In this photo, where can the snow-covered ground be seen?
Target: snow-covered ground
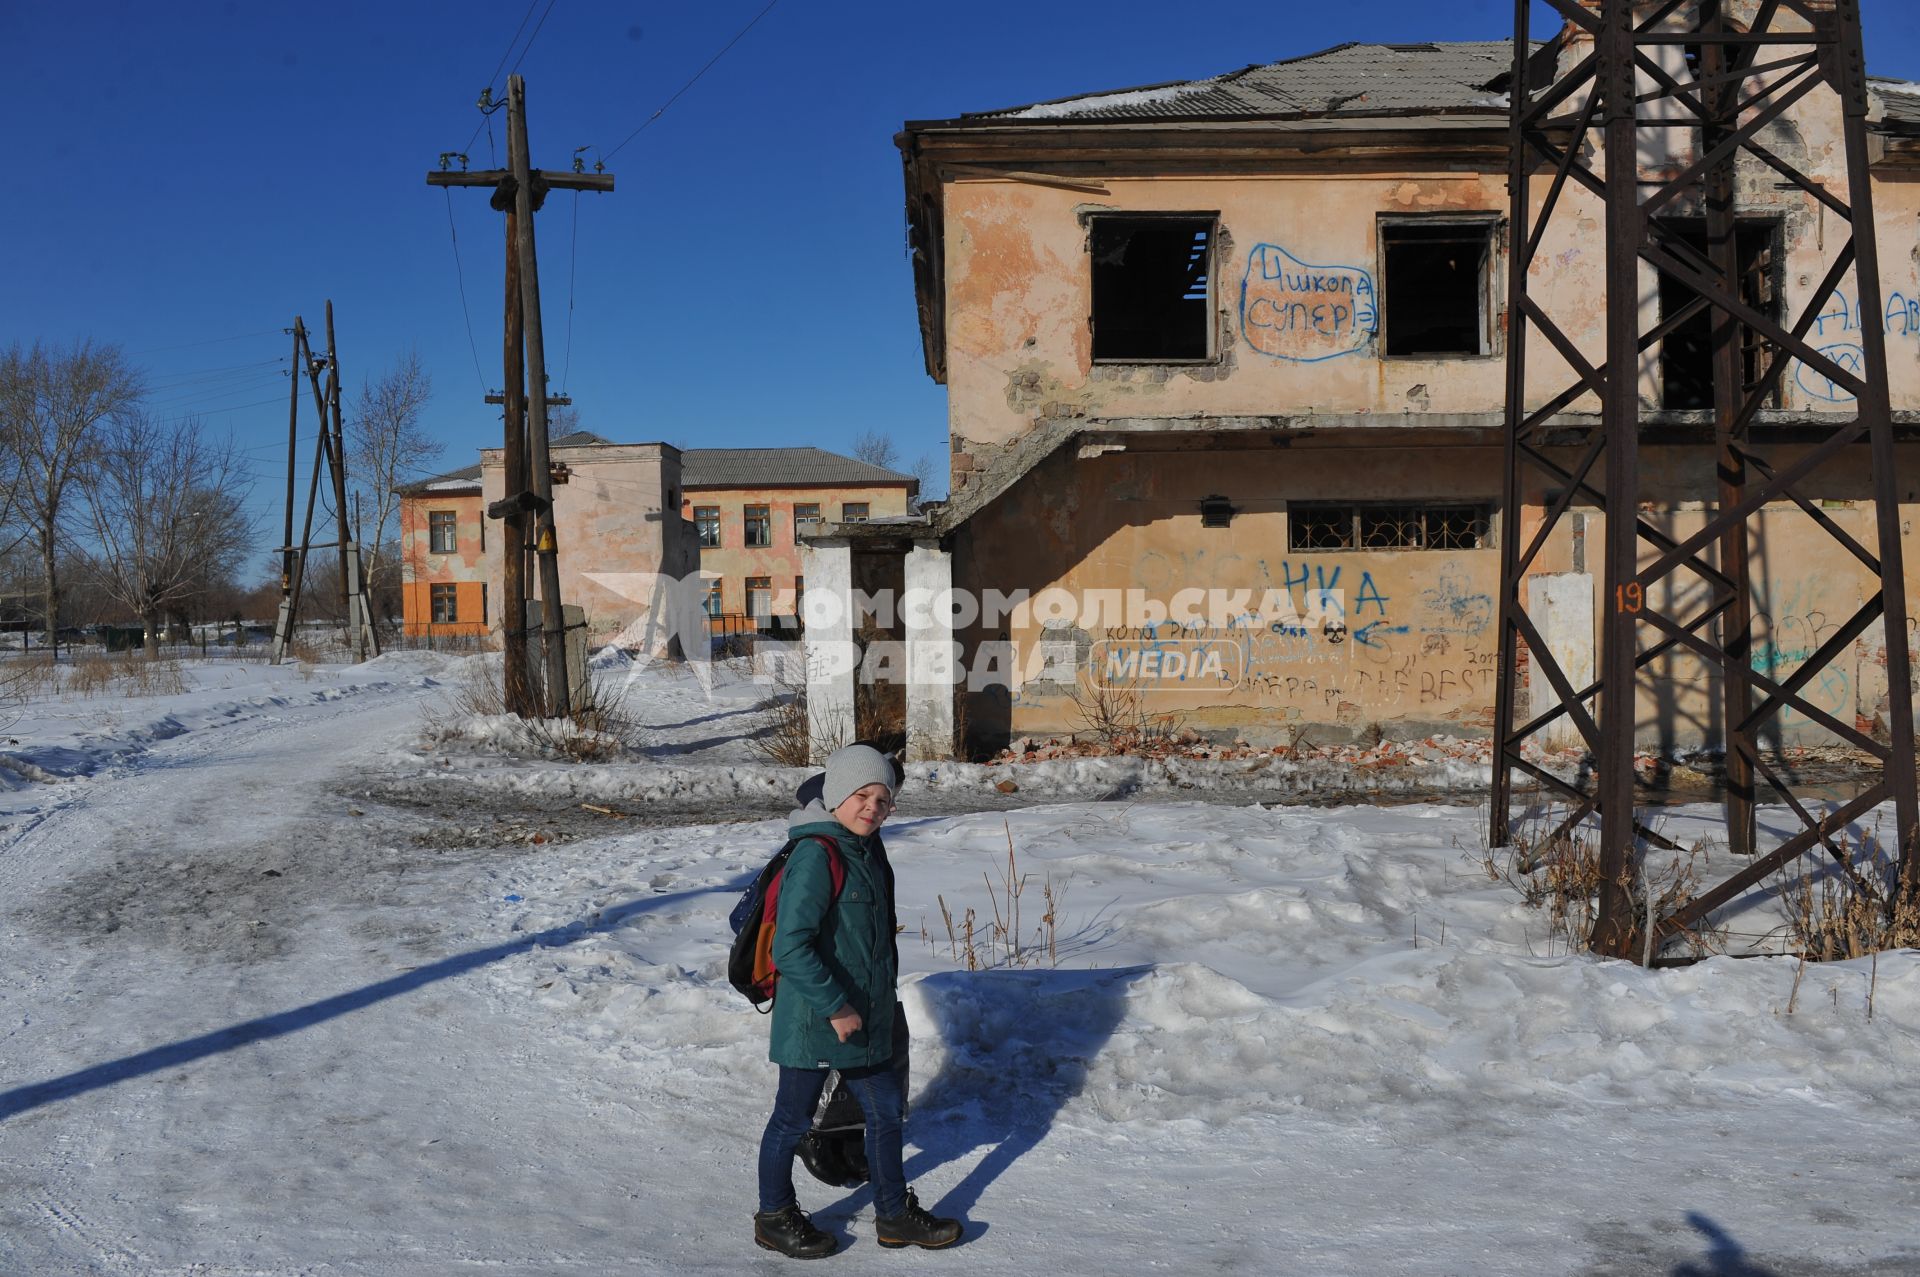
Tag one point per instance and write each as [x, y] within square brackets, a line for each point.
[304, 973]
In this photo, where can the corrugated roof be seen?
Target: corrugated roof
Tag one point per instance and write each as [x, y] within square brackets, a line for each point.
[469, 476]
[772, 467]
[1902, 100]
[451, 481]
[1351, 78]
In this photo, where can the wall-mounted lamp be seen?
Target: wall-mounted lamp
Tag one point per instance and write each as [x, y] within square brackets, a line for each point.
[1215, 512]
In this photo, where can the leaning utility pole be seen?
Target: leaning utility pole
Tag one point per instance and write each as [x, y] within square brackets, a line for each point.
[1636, 93]
[527, 508]
[329, 451]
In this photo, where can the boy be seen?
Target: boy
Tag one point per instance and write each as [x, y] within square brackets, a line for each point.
[835, 1008]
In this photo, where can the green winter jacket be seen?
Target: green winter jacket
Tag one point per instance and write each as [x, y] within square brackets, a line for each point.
[833, 952]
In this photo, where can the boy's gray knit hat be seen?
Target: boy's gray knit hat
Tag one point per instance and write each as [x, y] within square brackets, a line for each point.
[854, 768]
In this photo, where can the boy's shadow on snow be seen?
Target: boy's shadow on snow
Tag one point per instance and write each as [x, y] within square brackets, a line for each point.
[1726, 1257]
[1017, 1047]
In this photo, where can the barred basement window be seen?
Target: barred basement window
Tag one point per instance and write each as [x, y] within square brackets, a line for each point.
[1380, 526]
[1319, 527]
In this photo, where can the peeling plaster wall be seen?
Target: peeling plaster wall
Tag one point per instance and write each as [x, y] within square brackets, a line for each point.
[617, 520]
[1416, 647]
[1019, 297]
[465, 568]
[1413, 651]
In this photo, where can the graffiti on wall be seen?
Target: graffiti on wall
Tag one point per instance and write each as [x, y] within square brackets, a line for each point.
[1899, 318]
[1298, 311]
[1316, 637]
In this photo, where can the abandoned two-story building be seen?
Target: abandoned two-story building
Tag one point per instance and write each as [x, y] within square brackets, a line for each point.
[1226, 378]
[627, 514]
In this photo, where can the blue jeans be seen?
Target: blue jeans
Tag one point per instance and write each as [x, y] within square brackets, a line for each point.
[878, 1090]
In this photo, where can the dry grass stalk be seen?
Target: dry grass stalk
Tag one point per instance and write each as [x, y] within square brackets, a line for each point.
[1115, 714]
[1838, 913]
[781, 733]
[1005, 944]
[1560, 874]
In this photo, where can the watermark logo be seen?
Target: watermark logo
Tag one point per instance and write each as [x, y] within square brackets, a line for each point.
[1167, 665]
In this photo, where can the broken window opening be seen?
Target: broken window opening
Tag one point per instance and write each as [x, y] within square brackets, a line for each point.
[1686, 353]
[1152, 288]
[1435, 287]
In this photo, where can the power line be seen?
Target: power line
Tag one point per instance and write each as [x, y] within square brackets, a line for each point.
[508, 52]
[486, 94]
[690, 83]
[530, 39]
[211, 341]
[191, 373]
[460, 277]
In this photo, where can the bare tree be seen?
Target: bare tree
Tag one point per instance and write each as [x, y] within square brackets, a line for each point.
[386, 447]
[876, 449]
[166, 506]
[52, 404]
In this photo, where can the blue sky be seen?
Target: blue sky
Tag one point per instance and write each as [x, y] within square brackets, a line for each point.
[195, 174]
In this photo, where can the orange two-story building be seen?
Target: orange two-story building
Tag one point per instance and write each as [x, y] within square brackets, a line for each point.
[749, 507]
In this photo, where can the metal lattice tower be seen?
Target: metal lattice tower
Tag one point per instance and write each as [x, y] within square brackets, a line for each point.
[1686, 70]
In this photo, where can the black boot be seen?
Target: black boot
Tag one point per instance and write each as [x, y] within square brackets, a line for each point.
[915, 1227]
[791, 1233]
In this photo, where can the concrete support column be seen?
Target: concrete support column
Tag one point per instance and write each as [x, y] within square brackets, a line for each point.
[1561, 607]
[827, 565]
[931, 664]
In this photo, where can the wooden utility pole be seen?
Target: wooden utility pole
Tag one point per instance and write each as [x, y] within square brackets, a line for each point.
[515, 543]
[329, 450]
[283, 623]
[526, 510]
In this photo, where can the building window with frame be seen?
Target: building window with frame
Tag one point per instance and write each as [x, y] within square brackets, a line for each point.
[1464, 525]
[1436, 286]
[804, 512]
[706, 522]
[799, 597]
[443, 531]
[760, 598]
[716, 599]
[759, 521]
[1152, 287]
[853, 512]
[1686, 353]
[444, 601]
